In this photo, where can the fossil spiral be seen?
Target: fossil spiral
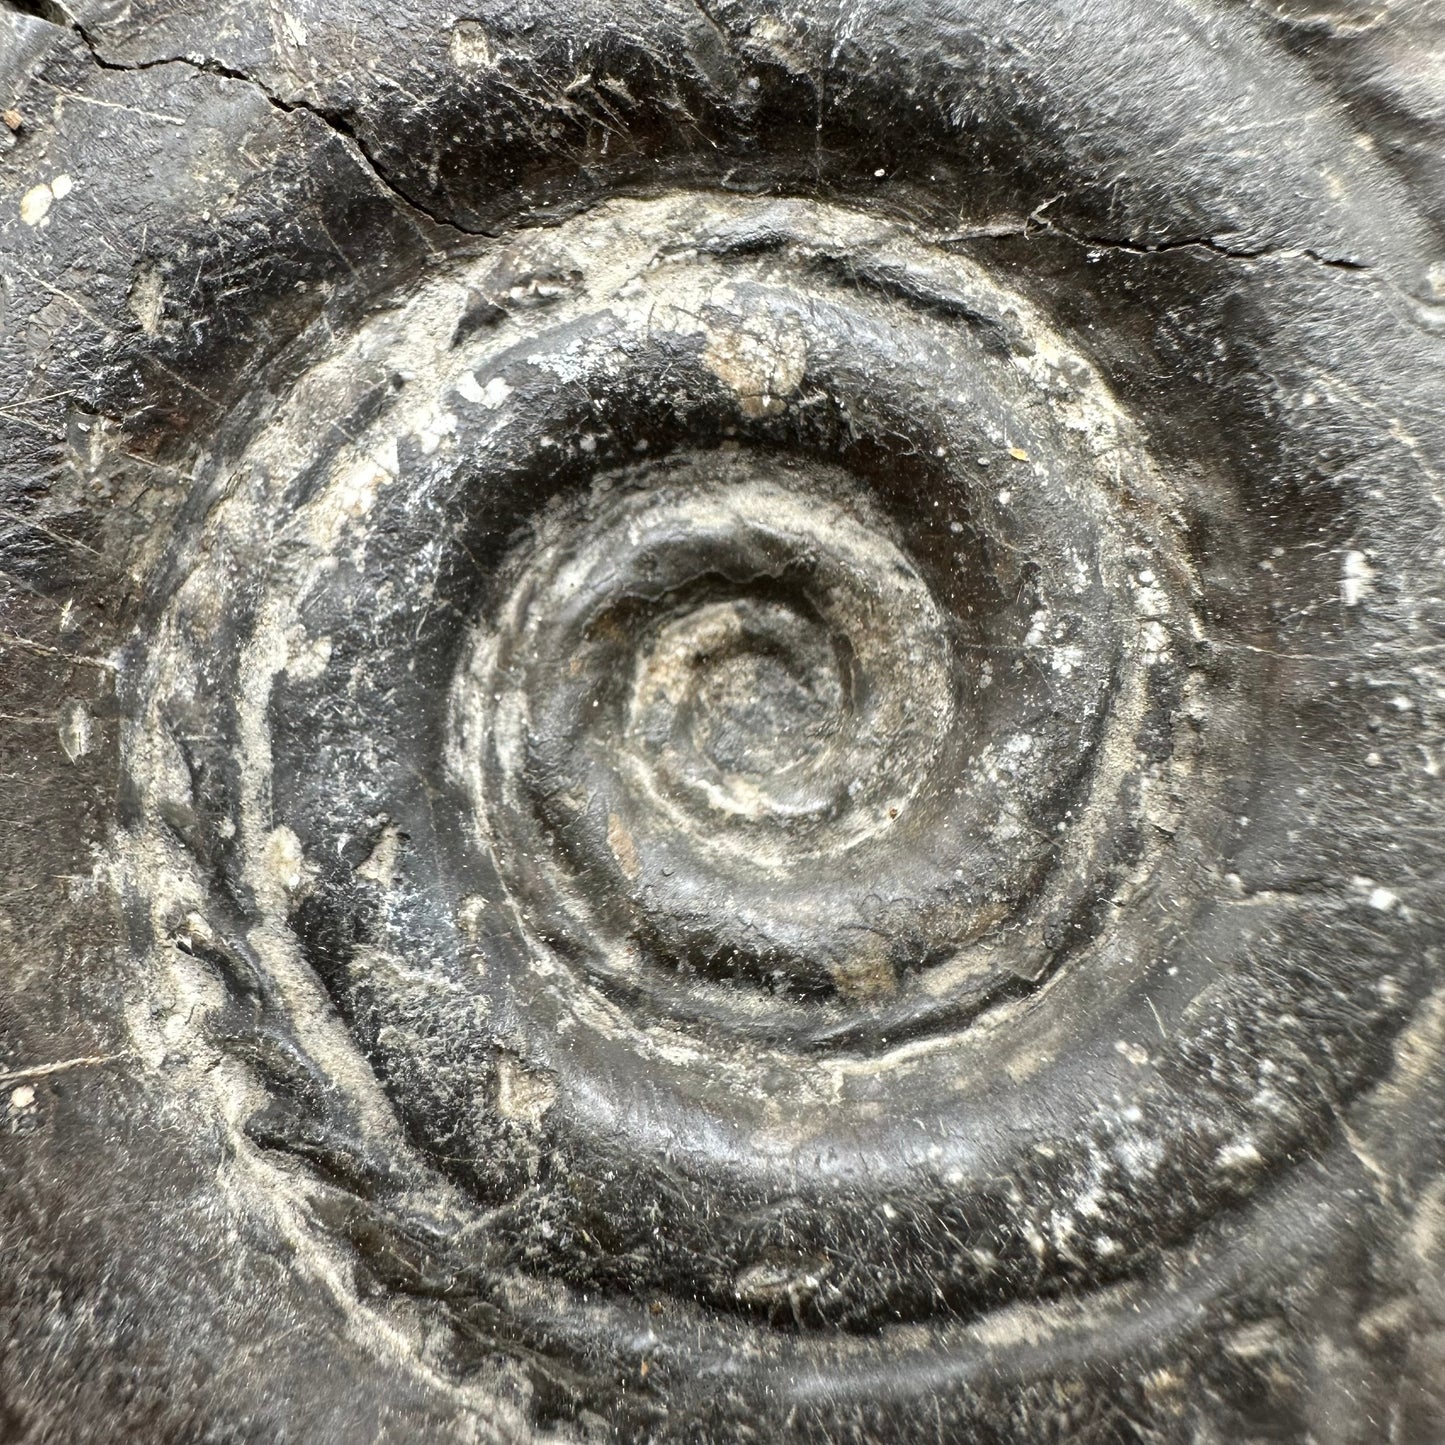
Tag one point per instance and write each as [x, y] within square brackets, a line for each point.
[777, 719]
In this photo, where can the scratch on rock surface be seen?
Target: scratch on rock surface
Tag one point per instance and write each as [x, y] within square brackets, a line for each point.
[63, 1066]
[16, 640]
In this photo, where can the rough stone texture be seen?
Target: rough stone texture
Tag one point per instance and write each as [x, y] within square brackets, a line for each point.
[722, 722]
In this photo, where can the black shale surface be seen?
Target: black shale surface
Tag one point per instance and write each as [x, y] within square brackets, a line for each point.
[722, 722]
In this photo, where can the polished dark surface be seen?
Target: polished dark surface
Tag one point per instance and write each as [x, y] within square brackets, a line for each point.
[722, 723]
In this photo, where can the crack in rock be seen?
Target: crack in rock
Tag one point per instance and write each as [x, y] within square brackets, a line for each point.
[333, 120]
[55, 13]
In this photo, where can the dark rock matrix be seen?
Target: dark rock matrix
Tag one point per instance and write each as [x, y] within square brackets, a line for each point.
[722, 722]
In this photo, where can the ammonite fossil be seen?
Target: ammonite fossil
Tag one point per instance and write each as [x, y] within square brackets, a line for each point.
[723, 722]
